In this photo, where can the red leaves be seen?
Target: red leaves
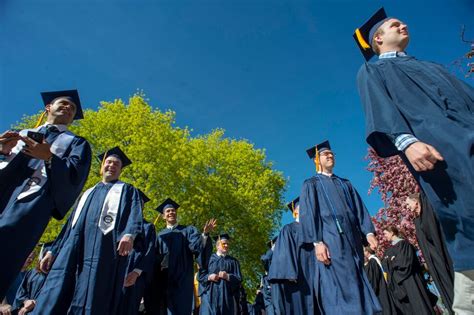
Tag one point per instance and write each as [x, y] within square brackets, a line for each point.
[394, 182]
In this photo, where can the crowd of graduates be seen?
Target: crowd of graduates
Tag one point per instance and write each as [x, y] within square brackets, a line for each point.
[108, 259]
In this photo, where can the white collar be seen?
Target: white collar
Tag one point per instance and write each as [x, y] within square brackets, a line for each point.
[218, 253]
[61, 128]
[327, 174]
[395, 241]
[392, 54]
[172, 227]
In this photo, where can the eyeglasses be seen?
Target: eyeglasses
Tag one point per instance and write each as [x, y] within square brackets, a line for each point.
[327, 154]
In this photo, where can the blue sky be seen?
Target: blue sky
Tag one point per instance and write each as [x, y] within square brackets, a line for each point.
[278, 73]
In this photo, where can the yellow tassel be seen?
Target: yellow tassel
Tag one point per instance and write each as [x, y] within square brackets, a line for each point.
[156, 220]
[40, 120]
[318, 163]
[361, 40]
[293, 209]
[103, 162]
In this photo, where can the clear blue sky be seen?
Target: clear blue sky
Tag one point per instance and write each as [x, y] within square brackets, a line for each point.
[280, 74]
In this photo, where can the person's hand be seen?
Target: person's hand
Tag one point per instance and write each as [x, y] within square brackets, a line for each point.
[213, 277]
[422, 156]
[372, 240]
[8, 141]
[131, 279]
[28, 306]
[125, 245]
[46, 262]
[224, 275]
[322, 253]
[5, 309]
[210, 226]
[40, 151]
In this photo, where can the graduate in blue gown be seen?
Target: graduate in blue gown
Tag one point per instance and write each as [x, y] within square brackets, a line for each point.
[177, 247]
[419, 110]
[221, 281]
[39, 180]
[291, 272]
[91, 253]
[334, 218]
[140, 267]
[30, 287]
[266, 286]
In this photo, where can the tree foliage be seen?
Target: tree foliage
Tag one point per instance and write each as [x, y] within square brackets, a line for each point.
[394, 183]
[209, 175]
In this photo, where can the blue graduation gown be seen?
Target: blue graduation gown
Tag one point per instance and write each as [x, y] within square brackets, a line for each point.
[342, 287]
[88, 273]
[172, 290]
[220, 298]
[266, 286]
[406, 95]
[291, 273]
[143, 258]
[25, 220]
[30, 287]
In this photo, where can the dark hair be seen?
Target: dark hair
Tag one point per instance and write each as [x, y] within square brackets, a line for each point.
[392, 229]
[369, 250]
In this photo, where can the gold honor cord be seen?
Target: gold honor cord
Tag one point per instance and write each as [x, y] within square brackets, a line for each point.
[40, 119]
[361, 39]
[318, 163]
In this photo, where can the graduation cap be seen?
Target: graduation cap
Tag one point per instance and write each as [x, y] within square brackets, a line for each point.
[223, 236]
[144, 197]
[317, 149]
[72, 95]
[293, 204]
[365, 34]
[168, 203]
[115, 152]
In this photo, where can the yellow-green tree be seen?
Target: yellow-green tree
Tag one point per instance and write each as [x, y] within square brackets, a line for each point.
[210, 176]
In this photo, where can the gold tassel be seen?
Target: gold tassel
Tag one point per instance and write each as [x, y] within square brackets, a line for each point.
[103, 162]
[361, 40]
[318, 163]
[293, 209]
[156, 220]
[40, 120]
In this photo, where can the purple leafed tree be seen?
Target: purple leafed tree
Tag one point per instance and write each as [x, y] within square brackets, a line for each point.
[394, 183]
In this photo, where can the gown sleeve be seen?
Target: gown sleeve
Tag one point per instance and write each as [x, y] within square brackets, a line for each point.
[284, 264]
[67, 176]
[382, 117]
[311, 223]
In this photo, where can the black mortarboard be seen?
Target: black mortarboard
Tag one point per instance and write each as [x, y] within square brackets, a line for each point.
[223, 236]
[144, 197]
[118, 153]
[292, 205]
[364, 34]
[168, 203]
[320, 147]
[49, 97]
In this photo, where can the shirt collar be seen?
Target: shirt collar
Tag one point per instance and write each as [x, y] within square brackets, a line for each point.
[392, 54]
[220, 254]
[61, 128]
[327, 174]
[172, 227]
[396, 240]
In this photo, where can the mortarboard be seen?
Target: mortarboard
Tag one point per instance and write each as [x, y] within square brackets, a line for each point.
[223, 236]
[293, 204]
[364, 34]
[116, 152]
[144, 197]
[73, 95]
[168, 203]
[323, 146]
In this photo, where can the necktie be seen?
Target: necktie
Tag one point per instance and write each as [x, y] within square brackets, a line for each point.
[52, 132]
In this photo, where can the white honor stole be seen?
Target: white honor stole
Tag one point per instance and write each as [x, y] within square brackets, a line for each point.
[109, 209]
[39, 177]
[377, 260]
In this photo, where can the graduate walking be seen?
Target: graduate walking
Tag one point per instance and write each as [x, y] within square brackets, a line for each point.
[42, 172]
[334, 218]
[221, 280]
[90, 253]
[419, 110]
[292, 270]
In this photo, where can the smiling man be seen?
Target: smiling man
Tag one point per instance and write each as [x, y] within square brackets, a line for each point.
[417, 109]
[178, 245]
[335, 219]
[39, 179]
[90, 253]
